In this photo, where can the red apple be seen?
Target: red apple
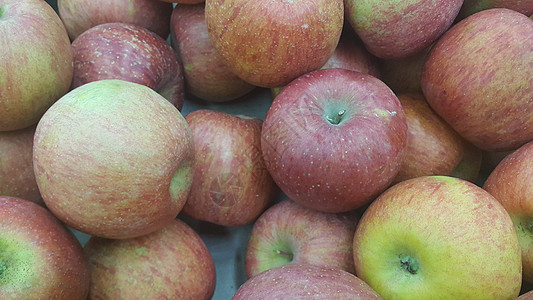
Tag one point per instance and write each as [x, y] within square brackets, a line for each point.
[207, 76]
[334, 139]
[39, 257]
[398, 29]
[17, 178]
[510, 183]
[269, 44]
[35, 62]
[288, 233]
[438, 237]
[478, 78]
[471, 7]
[171, 263]
[80, 15]
[231, 185]
[113, 159]
[300, 281]
[131, 53]
[189, 2]
[433, 147]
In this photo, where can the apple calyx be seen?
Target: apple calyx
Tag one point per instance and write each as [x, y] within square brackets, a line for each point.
[409, 264]
[289, 256]
[336, 118]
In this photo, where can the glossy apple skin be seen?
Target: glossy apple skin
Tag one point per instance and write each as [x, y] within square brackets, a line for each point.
[398, 29]
[433, 147]
[17, 178]
[269, 44]
[128, 52]
[207, 76]
[479, 71]
[39, 257]
[80, 15]
[288, 233]
[471, 7]
[113, 159]
[432, 236]
[301, 281]
[231, 185]
[334, 167]
[35, 62]
[510, 184]
[171, 263]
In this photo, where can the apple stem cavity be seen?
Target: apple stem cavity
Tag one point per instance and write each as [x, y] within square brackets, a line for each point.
[285, 254]
[409, 264]
[337, 118]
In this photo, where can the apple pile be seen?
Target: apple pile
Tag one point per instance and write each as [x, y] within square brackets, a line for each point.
[233, 149]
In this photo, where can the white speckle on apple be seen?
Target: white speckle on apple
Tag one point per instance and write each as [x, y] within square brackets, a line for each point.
[305, 26]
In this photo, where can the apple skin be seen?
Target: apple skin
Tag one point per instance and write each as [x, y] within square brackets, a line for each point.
[510, 184]
[231, 185]
[35, 63]
[39, 257]
[188, 2]
[207, 76]
[270, 44]
[398, 29]
[471, 7]
[432, 236]
[301, 281]
[171, 263]
[128, 52]
[288, 233]
[113, 159]
[333, 139]
[80, 15]
[17, 178]
[433, 147]
[481, 70]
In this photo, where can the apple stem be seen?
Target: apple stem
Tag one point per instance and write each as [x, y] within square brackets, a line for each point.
[409, 264]
[337, 118]
[286, 254]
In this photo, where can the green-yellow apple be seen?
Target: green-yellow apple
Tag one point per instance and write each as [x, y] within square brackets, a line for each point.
[396, 29]
[302, 281]
[207, 76]
[438, 237]
[170, 263]
[510, 183]
[35, 62]
[128, 52]
[39, 257]
[268, 43]
[288, 233]
[231, 185]
[333, 139]
[114, 159]
[478, 78]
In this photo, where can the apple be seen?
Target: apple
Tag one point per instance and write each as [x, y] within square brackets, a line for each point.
[80, 15]
[477, 77]
[170, 263]
[469, 167]
[399, 29]
[128, 52]
[207, 76]
[113, 159]
[39, 257]
[471, 7]
[433, 147]
[510, 184]
[188, 2]
[333, 139]
[404, 75]
[270, 44]
[35, 62]
[301, 281]
[491, 159]
[526, 296]
[231, 185]
[438, 237]
[17, 178]
[288, 233]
